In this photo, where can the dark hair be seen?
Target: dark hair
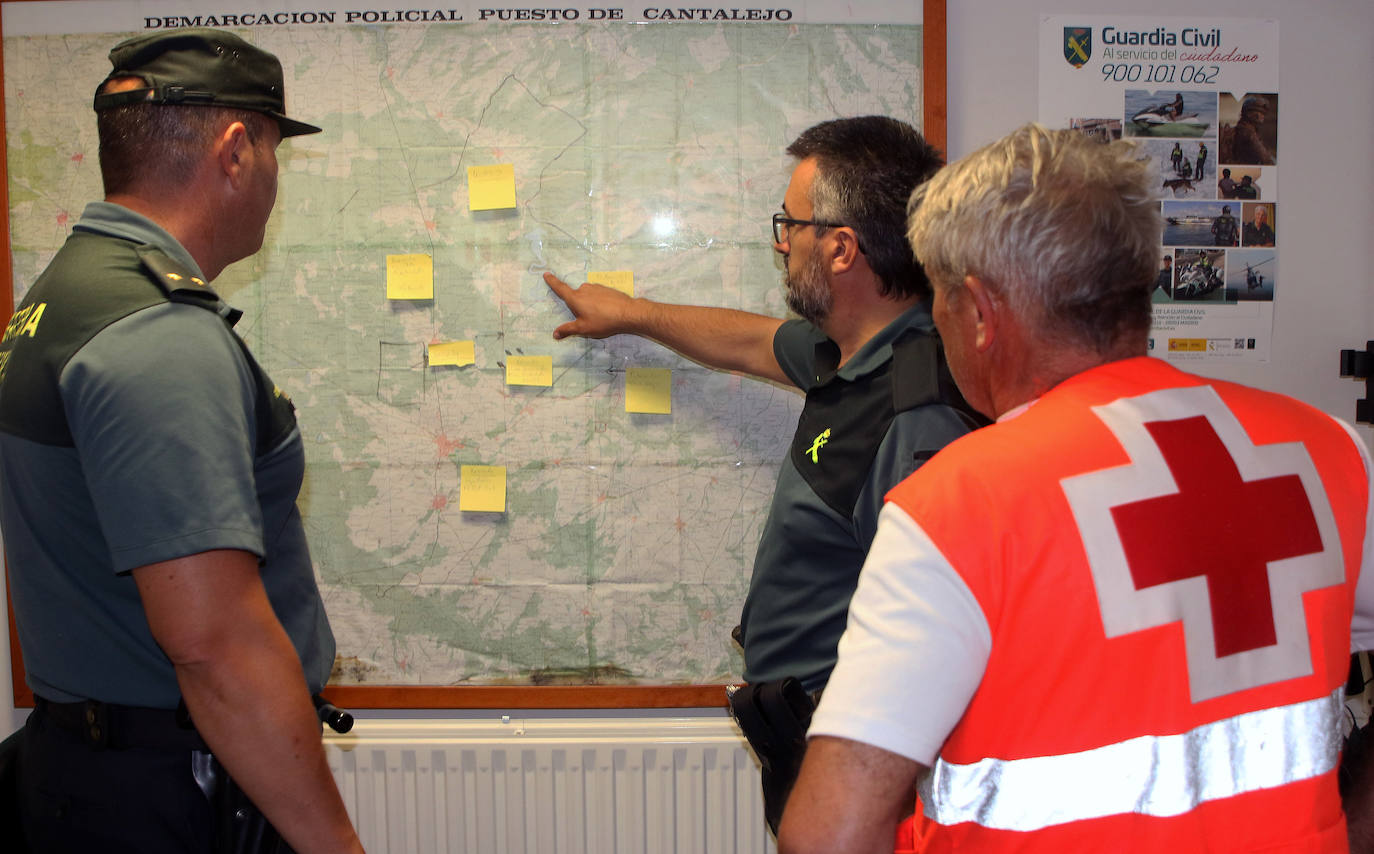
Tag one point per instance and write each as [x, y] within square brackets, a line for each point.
[151, 142]
[867, 168]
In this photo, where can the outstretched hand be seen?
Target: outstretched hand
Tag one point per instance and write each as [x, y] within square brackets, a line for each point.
[598, 311]
[724, 338]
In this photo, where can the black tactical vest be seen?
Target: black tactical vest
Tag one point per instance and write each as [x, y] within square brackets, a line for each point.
[843, 424]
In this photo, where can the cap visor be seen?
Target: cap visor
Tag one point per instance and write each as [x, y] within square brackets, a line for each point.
[291, 127]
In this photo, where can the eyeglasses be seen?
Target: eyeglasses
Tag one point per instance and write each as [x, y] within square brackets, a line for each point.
[781, 221]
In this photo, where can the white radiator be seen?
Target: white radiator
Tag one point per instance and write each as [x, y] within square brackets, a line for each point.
[541, 786]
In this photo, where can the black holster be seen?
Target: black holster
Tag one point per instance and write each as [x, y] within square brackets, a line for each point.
[240, 827]
[773, 717]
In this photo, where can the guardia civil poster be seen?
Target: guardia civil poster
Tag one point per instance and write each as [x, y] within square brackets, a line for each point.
[1200, 98]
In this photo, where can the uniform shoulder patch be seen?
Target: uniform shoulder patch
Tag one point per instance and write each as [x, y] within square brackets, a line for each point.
[173, 278]
[181, 285]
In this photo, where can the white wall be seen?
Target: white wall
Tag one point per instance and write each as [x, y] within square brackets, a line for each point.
[1327, 128]
[1327, 219]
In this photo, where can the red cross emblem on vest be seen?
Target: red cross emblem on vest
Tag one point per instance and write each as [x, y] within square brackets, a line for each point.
[1206, 528]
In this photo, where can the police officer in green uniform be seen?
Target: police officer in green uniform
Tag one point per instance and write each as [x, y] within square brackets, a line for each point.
[878, 402]
[1246, 189]
[1225, 228]
[170, 624]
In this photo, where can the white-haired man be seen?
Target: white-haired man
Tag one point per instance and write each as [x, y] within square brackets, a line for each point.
[1118, 619]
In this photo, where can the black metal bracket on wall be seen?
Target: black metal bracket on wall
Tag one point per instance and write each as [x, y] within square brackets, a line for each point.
[1360, 365]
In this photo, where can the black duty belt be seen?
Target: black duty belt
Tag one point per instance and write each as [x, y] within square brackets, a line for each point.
[117, 727]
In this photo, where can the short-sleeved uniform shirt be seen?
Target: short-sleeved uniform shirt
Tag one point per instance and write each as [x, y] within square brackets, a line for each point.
[149, 450]
[849, 449]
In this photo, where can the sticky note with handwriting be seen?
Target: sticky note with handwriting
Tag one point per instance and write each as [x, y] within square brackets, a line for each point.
[529, 370]
[482, 488]
[621, 280]
[409, 277]
[452, 353]
[649, 390]
[491, 187]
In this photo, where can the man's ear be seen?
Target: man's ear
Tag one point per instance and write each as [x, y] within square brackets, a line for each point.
[986, 312]
[232, 150]
[845, 253]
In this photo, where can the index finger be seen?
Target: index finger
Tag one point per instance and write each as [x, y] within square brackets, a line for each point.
[558, 285]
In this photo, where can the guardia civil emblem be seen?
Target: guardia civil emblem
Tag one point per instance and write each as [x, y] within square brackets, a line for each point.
[1078, 45]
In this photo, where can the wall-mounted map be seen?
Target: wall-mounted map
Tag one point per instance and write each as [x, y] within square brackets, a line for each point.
[624, 548]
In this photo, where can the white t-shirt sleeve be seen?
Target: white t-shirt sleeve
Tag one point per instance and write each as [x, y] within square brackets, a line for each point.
[1362, 623]
[913, 651]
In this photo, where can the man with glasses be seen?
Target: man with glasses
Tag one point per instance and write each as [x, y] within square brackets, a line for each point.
[878, 400]
[1047, 637]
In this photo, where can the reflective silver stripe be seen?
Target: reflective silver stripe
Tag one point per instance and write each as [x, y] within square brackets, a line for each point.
[1152, 775]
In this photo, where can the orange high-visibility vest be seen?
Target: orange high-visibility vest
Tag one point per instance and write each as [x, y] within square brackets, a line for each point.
[1167, 565]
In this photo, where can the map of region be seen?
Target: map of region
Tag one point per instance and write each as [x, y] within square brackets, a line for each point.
[624, 551]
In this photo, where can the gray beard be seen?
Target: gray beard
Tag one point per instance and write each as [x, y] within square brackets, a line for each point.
[807, 293]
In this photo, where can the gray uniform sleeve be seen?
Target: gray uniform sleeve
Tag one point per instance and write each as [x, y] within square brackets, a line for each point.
[794, 346]
[161, 411]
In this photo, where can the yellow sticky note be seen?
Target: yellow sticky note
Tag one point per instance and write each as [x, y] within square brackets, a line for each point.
[529, 370]
[409, 277]
[621, 280]
[452, 353]
[482, 488]
[649, 390]
[491, 187]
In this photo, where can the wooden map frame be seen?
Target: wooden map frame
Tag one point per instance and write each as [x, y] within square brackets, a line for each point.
[934, 126]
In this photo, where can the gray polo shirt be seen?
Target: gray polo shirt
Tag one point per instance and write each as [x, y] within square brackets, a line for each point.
[155, 454]
[850, 448]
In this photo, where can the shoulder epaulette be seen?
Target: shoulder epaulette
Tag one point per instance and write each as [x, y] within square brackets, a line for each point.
[275, 411]
[180, 284]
